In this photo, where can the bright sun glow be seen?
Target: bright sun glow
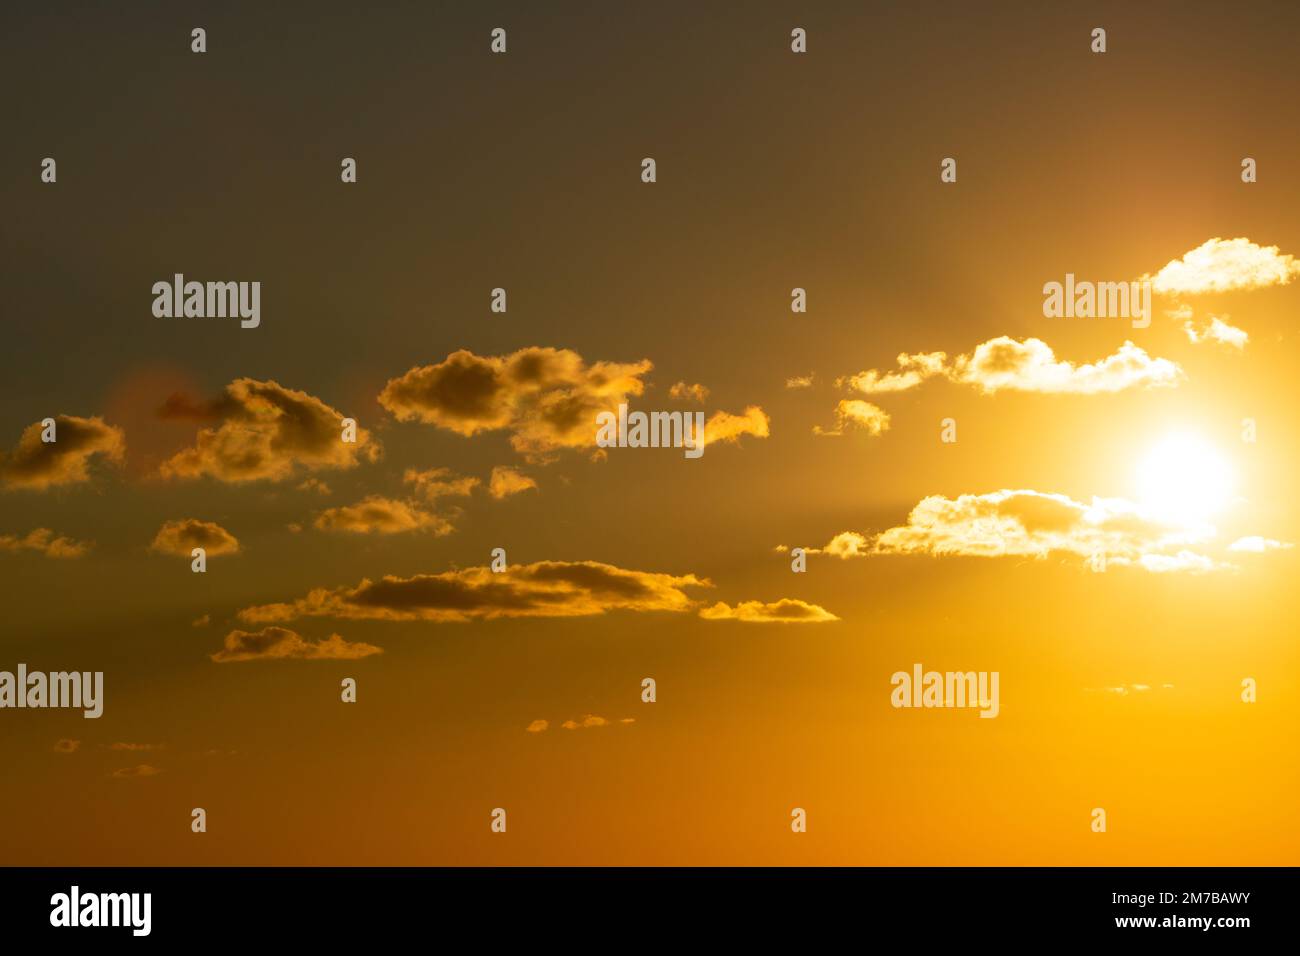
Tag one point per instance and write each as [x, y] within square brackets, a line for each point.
[1185, 480]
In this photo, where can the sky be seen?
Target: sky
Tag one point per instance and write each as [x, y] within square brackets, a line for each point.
[1112, 530]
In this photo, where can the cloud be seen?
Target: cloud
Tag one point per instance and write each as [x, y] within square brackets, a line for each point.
[134, 748]
[784, 611]
[435, 483]
[280, 643]
[853, 413]
[1123, 690]
[1220, 265]
[537, 726]
[66, 745]
[316, 485]
[37, 465]
[912, 371]
[1005, 364]
[800, 381]
[264, 431]
[1020, 523]
[846, 544]
[688, 393]
[44, 541]
[1255, 544]
[548, 399]
[592, 720]
[181, 537]
[1217, 331]
[139, 770]
[508, 481]
[541, 589]
[203, 621]
[376, 514]
[725, 427]
[1181, 561]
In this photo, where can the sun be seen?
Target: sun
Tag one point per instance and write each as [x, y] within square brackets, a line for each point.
[1185, 480]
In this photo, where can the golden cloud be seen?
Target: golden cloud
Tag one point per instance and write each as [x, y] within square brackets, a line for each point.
[1257, 544]
[547, 398]
[264, 431]
[541, 589]
[1031, 366]
[37, 464]
[508, 481]
[1034, 524]
[1007, 364]
[140, 770]
[725, 427]
[1217, 331]
[853, 413]
[592, 720]
[376, 514]
[912, 371]
[1220, 265]
[44, 541]
[181, 537]
[688, 393]
[784, 611]
[280, 643]
[436, 483]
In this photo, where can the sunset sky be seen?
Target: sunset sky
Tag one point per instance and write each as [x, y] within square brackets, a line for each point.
[1075, 437]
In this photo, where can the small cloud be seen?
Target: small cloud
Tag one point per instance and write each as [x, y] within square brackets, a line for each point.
[35, 464]
[800, 381]
[280, 643]
[1255, 544]
[203, 621]
[537, 726]
[725, 427]
[853, 413]
[784, 611]
[912, 371]
[376, 514]
[66, 745]
[44, 541]
[507, 481]
[181, 537]
[1124, 690]
[436, 483]
[591, 720]
[134, 748]
[1217, 331]
[315, 485]
[1220, 265]
[139, 770]
[688, 393]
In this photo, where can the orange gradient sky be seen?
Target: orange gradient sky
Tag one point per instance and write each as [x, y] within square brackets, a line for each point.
[1119, 690]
